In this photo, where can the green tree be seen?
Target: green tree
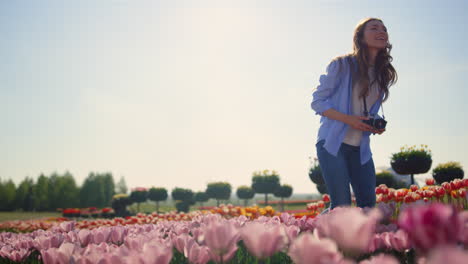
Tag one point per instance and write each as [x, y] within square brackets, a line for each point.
[245, 193]
[97, 190]
[68, 191]
[201, 197]
[265, 182]
[139, 195]
[315, 175]
[42, 194]
[387, 178]
[218, 191]
[109, 188]
[184, 198]
[157, 195]
[24, 195]
[7, 195]
[284, 191]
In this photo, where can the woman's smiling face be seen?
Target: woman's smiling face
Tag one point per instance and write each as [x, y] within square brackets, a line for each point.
[375, 35]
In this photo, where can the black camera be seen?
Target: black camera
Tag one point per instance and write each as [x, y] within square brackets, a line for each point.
[377, 123]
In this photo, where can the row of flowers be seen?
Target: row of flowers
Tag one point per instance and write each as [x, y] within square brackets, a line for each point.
[226, 211]
[453, 192]
[344, 235]
[87, 212]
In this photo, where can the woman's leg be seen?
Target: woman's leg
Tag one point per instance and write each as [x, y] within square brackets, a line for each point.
[362, 180]
[336, 176]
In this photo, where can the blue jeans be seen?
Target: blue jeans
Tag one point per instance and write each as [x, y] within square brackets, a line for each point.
[338, 172]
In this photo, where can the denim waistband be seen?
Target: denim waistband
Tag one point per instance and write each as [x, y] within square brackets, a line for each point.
[355, 148]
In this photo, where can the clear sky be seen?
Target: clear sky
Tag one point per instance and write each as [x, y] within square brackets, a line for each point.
[182, 93]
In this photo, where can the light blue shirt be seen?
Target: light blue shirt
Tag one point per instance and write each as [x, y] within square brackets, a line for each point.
[335, 91]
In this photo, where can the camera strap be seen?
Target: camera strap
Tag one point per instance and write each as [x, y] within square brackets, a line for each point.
[366, 113]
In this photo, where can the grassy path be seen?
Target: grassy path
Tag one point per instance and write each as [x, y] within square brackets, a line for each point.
[8, 216]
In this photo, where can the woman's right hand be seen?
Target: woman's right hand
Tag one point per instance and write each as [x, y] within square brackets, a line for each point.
[356, 123]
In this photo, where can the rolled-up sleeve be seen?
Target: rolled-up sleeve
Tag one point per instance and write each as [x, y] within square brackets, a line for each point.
[328, 83]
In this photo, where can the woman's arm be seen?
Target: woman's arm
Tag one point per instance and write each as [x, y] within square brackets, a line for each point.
[329, 81]
[353, 121]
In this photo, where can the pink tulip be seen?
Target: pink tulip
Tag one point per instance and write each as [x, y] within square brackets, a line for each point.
[156, 253]
[349, 227]
[375, 243]
[59, 255]
[399, 241]
[292, 232]
[307, 249]
[84, 237]
[17, 255]
[381, 259]
[431, 225]
[221, 237]
[180, 241]
[117, 234]
[67, 226]
[101, 235]
[263, 240]
[197, 254]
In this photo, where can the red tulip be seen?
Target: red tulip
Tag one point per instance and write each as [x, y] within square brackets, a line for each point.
[430, 181]
[447, 186]
[457, 183]
[440, 192]
[326, 198]
[462, 192]
[465, 182]
[378, 190]
[414, 188]
[408, 199]
[321, 204]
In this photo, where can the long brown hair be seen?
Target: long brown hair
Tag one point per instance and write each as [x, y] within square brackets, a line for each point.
[385, 74]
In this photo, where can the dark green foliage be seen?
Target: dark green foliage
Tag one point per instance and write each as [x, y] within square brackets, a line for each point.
[138, 196]
[119, 204]
[7, 195]
[182, 206]
[57, 191]
[25, 195]
[265, 183]
[245, 193]
[316, 176]
[284, 191]
[201, 197]
[157, 195]
[182, 194]
[97, 190]
[387, 178]
[42, 193]
[218, 191]
[447, 172]
[184, 198]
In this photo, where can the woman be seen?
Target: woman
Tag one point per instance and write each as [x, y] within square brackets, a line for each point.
[343, 144]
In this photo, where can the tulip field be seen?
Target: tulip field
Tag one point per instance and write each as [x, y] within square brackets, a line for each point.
[417, 225]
